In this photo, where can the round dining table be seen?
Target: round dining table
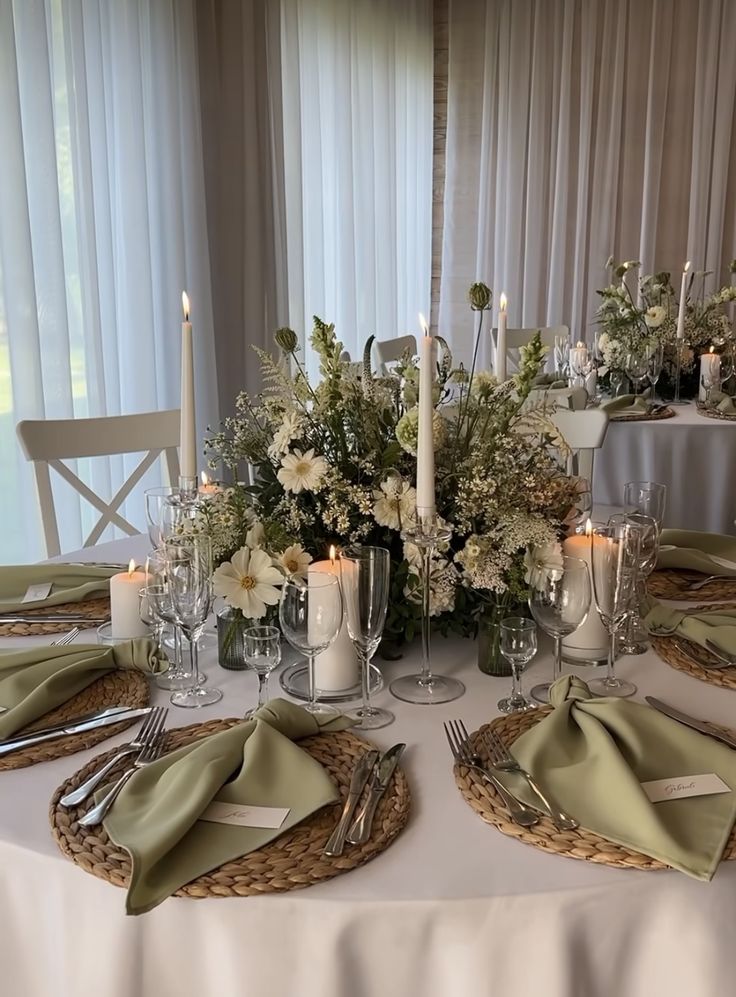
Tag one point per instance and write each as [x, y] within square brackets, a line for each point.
[452, 907]
[695, 456]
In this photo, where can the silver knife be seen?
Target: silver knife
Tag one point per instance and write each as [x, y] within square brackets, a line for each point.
[54, 618]
[361, 827]
[111, 711]
[684, 718]
[361, 774]
[71, 727]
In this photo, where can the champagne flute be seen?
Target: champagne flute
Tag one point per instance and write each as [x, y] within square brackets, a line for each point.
[654, 367]
[365, 580]
[635, 638]
[559, 602]
[518, 645]
[614, 554]
[647, 497]
[311, 616]
[262, 654]
[637, 367]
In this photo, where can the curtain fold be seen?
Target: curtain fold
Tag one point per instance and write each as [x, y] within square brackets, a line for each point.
[579, 129]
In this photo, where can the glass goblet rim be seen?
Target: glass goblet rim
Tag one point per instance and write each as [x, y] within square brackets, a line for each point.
[261, 632]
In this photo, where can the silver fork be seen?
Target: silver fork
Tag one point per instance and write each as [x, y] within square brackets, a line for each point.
[501, 758]
[80, 794]
[464, 755]
[148, 753]
[702, 582]
[66, 639]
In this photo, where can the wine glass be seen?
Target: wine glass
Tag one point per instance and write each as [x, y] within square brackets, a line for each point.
[617, 380]
[727, 359]
[559, 602]
[155, 498]
[262, 654]
[710, 378]
[655, 362]
[635, 637]
[562, 356]
[582, 507]
[189, 575]
[365, 579]
[647, 497]
[311, 616]
[614, 555]
[518, 645]
[637, 366]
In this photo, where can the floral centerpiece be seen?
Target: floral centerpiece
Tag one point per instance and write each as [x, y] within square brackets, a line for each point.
[632, 320]
[334, 462]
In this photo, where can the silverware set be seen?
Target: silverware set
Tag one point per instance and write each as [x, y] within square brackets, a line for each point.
[684, 718]
[66, 639]
[718, 659]
[90, 721]
[373, 773]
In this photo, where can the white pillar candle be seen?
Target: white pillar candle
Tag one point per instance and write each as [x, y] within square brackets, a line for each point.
[590, 641]
[125, 615]
[336, 668]
[501, 342]
[710, 369]
[425, 434]
[578, 362]
[187, 431]
[683, 296]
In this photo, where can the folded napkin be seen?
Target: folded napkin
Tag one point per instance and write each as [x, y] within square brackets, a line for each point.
[626, 405]
[36, 679]
[549, 381]
[70, 583]
[708, 553]
[157, 816]
[593, 755]
[722, 402]
[718, 626]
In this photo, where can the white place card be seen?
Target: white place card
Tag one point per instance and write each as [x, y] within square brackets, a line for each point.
[245, 816]
[37, 592]
[687, 785]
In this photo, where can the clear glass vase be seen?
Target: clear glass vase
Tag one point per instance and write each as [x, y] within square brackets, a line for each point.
[231, 627]
[490, 659]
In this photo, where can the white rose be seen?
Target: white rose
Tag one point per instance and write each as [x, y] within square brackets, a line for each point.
[655, 316]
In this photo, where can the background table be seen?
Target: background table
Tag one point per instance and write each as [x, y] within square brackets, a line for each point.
[694, 456]
[451, 908]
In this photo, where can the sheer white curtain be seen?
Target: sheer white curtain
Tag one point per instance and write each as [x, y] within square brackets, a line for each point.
[102, 223]
[579, 129]
[357, 110]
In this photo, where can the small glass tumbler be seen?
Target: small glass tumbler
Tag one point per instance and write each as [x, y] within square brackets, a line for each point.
[518, 646]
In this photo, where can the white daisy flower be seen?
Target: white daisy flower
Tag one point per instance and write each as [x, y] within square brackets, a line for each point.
[542, 562]
[290, 429]
[395, 503]
[249, 582]
[295, 560]
[302, 471]
[655, 316]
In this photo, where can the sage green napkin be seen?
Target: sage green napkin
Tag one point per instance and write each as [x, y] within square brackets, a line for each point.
[70, 583]
[626, 405]
[157, 816]
[691, 550]
[549, 381]
[722, 402]
[593, 755]
[34, 680]
[718, 626]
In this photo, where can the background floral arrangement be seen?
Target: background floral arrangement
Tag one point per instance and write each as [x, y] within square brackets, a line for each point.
[630, 320]
[334, 463]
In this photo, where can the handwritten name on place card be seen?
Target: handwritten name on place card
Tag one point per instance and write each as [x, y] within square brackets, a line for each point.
[682, 786]
[245, 816]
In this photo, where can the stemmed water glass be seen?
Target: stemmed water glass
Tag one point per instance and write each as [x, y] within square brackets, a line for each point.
[189, 578]
[634, 639]
[559, 602]
[637, 366]
[614, 556]
[311, 615]
[155, 499]
[655, 363]
[365, 579]
[158, 595]
[518, 645]
[262, 653]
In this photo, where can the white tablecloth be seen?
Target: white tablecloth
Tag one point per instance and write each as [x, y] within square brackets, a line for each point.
[452, 908]
[694, 456]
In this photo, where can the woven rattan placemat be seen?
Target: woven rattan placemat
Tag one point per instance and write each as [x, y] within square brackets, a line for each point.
[89, 609]
[713, 413]
[668, 652]
[578, 844]
[292, 861]
[672, 584]
[122, 687]
[665, 413]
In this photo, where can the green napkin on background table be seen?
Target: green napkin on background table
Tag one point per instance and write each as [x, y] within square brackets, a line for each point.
[156, 816]
[626, 405]
[34, 680]
[549, 381]
[593, 755]
[718, 626]
[692, 550]
[722, 402]
[71, 583]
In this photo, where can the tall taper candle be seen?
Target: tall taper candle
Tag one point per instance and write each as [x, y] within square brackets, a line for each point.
[425, 435]
[683, 295]
[187, 431]
[501, 344]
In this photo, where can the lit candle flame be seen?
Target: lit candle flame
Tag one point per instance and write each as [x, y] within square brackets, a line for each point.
[503, 302]
[185, 305]
[588, 528]
[333, 554]
[423, 324]
[686, 267]
[712, 349]
[131, 567]
[205, 479]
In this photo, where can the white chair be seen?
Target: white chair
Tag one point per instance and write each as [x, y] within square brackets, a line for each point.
[516, 338]
[47, 442]
[572, 398]
[387, 351]
[584, 432]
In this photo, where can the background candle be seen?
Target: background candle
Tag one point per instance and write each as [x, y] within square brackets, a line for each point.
[710, 369]
[187, 430]
[425, 432]
[336, 668]
[125, 615]
[501, 343]
[589, 643]
[683, 296]
[208, 487]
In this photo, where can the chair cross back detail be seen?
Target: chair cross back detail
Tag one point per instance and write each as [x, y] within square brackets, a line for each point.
[584, 432]
[48, 442]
